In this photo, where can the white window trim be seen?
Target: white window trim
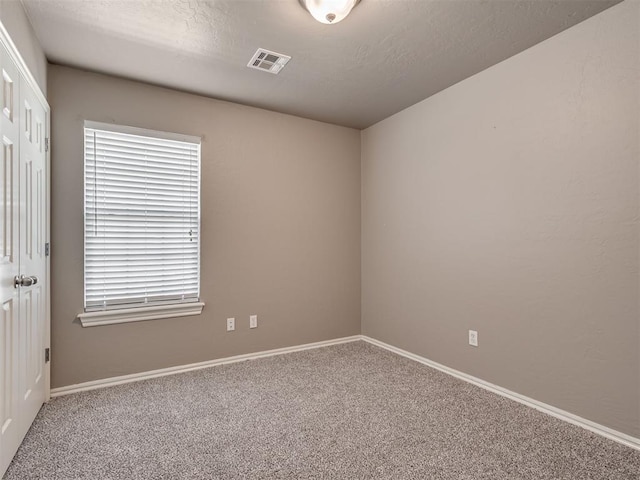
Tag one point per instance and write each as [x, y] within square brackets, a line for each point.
[145, 132]
[138, 314]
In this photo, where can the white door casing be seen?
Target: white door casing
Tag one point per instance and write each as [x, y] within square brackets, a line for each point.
[24, 214]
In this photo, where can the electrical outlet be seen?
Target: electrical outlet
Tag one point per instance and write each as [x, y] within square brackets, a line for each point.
[231, 324]
[253, 321]
[473, 338]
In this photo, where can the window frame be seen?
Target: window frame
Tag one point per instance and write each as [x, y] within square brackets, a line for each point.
[135, 313]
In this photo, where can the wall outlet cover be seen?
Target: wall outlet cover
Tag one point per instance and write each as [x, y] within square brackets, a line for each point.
[473, 338]
[231, 324]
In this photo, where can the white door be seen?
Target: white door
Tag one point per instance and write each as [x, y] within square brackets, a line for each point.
[22, 258]
[10, 429]
[32, 256]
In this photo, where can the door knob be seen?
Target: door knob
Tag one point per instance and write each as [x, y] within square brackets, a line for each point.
[24, 280]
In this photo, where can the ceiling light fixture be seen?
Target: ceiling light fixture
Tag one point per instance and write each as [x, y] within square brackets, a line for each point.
[329, 11]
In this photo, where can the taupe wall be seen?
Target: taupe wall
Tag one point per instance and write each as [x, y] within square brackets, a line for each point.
[14, 19]
[280, 229]
[508, 204]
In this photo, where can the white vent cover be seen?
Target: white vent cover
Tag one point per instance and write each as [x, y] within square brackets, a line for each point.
[268, 61]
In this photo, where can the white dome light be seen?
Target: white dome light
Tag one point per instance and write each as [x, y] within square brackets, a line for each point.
[329, 11]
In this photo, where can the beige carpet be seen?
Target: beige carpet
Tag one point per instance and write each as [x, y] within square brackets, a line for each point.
[350, 411]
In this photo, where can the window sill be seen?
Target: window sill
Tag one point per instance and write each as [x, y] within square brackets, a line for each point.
[126, 315]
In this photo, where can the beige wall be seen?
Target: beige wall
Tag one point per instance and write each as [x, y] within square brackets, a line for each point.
[280, 229]
[15, 21]
[508, 204]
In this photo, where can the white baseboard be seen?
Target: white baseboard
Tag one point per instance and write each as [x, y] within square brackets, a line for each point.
[136, 377]
[606, 432]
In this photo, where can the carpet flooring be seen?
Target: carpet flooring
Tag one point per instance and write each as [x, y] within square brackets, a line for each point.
[350, 411]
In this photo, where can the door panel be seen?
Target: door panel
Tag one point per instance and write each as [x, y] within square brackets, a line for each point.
[10, 423]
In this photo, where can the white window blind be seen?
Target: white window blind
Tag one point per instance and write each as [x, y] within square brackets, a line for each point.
[142, 218]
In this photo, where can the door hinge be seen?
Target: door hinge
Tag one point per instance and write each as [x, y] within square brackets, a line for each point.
[46, 144]
[46, 249]
[47, 355]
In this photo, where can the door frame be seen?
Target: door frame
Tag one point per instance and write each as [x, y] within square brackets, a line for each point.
[23, 69]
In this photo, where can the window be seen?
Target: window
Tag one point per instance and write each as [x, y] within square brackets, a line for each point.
[141, 225]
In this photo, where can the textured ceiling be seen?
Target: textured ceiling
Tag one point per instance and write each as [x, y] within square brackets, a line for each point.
[387, 55]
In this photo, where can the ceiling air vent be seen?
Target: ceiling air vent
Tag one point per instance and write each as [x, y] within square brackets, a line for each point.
[268, 61]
